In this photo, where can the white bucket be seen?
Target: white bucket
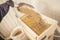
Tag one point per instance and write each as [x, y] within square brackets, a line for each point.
[18, 34]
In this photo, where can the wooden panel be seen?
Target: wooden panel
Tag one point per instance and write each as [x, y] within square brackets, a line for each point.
[34, 20]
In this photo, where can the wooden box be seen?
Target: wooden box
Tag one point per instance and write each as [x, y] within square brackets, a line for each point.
[31, 27]
[46, 34]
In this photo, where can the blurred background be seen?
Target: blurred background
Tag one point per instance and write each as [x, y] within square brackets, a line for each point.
[50, 8]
